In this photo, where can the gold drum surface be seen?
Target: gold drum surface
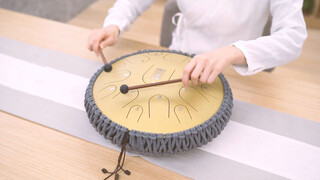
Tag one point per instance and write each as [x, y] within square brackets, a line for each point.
[159, 109]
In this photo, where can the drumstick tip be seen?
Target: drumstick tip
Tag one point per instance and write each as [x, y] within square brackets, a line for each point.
[124, 89]
[107, 67]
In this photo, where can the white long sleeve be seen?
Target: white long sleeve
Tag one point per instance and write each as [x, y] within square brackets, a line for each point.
[207, 25]
[124, 12]
[284, 44]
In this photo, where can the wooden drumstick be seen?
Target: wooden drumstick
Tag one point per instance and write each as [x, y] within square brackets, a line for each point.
[124, 89]
[107, 66]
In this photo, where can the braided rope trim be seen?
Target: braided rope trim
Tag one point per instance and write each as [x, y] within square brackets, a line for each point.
[157, 143]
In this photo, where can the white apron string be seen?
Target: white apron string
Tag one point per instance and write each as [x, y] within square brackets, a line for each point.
[178, 23]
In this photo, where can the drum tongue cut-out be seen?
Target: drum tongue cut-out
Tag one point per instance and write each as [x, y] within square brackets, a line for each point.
[157, 120]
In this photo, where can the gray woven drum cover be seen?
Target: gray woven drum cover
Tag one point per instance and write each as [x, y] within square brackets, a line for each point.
[159, 143]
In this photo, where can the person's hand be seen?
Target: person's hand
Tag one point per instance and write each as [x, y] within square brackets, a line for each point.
[207, 66]
[100, 38]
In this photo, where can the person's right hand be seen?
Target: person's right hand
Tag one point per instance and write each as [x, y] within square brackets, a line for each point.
[100, 38]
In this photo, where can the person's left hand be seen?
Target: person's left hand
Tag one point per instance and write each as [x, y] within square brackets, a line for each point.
[207, 66]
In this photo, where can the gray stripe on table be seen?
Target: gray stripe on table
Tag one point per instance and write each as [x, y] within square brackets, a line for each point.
[196, 164]
[283, 124]
[249, 114]
[45, 57]
[199, 164]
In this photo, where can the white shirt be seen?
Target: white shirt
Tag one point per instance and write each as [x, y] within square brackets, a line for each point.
[205, 25]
